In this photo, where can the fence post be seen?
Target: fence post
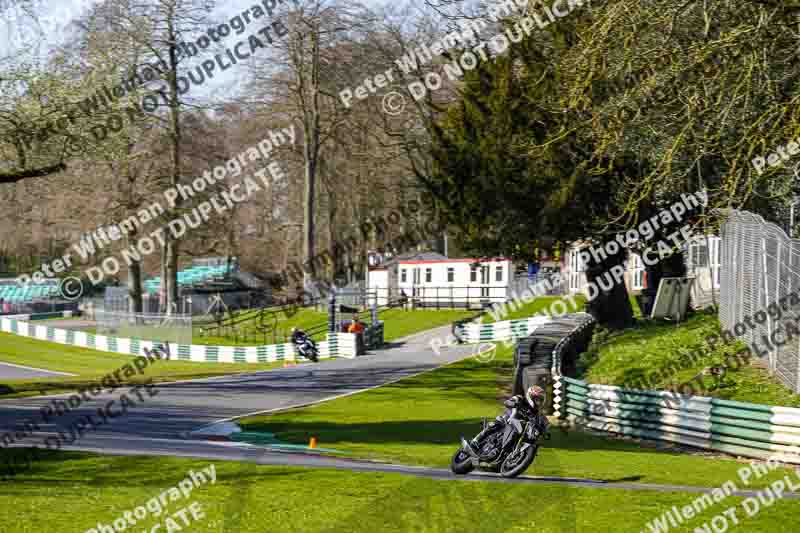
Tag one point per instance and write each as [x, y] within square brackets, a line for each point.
[766, 299]
[332, 312]
[777, 294]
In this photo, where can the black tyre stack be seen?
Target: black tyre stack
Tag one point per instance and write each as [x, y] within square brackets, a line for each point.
[560, 341]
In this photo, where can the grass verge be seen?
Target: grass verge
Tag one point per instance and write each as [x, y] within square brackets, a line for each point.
[248, 498]
[654, 353]
[91, 365]
[397, 323]
[419, 420]
[542, 304]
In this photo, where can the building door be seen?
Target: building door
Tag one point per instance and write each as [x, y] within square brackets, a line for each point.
[416, 280]
[484, 281]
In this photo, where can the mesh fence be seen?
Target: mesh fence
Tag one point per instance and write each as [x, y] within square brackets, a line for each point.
[759, 267]
[153, 327]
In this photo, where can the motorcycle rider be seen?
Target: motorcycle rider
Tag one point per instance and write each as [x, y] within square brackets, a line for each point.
[299, 336]
[529, 407]
[300, 339]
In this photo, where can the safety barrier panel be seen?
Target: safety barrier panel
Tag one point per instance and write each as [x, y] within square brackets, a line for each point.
[737, 428]
[336, 345]
[473, 332]
[42, 316]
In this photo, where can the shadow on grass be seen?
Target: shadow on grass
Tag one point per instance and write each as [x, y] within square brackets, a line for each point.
[427, 432]
[57, 468]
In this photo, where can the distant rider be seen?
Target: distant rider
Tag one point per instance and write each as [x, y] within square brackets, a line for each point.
[529, 407]
[299, 336]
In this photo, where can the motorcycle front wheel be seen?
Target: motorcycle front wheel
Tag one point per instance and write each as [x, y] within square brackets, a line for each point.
[517, 461]
[461, 463]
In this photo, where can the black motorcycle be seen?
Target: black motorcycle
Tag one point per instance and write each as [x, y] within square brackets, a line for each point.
[508, 445]
[305, 346]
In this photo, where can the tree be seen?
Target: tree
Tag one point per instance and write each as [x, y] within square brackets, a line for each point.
[510, 171]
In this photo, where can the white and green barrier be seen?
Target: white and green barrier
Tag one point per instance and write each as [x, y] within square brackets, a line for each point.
[43, 316]
[336, 345]
[473, 332]
[737, 428]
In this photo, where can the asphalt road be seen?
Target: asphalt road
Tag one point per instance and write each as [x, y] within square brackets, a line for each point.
[159, 425]
[12, 371]
[181, 407]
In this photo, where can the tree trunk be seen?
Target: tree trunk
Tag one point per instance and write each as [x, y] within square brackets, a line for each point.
[134, 279]
[162, 287]
[172, 244]
[311, 133]
[611, 307]
[334, 251]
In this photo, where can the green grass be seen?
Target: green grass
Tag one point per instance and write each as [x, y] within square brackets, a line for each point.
[416, 421]
[90, 365]
[397, 323]
[303, 318]
[420, 419]
[73, 492]
[652, 351]
[400, 323]
[542, 304]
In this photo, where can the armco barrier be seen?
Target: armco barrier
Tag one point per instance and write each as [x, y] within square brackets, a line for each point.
[42, 316]
[472, 332]
[336, 345]
[736, 428]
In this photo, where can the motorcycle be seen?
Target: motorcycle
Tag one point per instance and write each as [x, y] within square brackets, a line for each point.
[509, 448]
[307, 348]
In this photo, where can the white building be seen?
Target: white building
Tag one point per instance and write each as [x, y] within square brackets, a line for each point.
[702, 256]
[433, 280]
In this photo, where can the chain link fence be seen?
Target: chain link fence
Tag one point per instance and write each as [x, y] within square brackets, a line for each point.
[760, 265]
[175, 329]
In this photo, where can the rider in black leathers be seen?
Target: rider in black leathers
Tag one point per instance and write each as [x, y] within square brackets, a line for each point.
[304, 344]
[299, 336]
[528, 406]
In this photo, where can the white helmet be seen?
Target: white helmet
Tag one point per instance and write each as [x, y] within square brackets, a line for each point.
[536, 396]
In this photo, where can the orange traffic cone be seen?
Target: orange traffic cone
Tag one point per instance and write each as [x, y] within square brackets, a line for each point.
[312, 443]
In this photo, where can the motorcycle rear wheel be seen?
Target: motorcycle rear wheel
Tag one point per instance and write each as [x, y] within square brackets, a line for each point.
[461, 463]
[520, 464]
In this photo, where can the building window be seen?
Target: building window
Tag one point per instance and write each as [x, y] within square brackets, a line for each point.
[473, 274]
[428, 275]
[451, 274]
[403, 276]
[498, 274]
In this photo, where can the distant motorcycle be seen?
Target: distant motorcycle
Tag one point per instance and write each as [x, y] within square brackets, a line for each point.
[507, 445]
[304, 345]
